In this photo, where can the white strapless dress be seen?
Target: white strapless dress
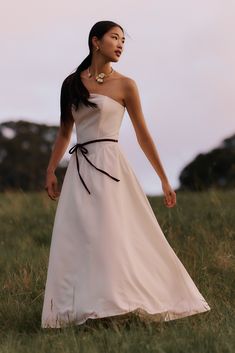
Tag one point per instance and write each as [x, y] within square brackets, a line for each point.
[108, 254]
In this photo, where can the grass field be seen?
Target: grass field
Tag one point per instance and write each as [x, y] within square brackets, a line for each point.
[201, 231]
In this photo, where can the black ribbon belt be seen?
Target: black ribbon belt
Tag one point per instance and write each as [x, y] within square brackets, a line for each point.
[84, 151]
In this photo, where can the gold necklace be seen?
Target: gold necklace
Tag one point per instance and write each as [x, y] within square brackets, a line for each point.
[100, 77]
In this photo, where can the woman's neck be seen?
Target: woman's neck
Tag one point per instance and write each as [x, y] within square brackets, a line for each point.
[97, 67]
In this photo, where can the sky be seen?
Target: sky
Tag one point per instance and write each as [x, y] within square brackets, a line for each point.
[180, 53]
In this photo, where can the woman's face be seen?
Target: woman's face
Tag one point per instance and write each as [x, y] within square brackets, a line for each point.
[112, 44]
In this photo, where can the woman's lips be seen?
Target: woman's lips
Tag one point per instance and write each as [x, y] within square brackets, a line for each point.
[117, 53]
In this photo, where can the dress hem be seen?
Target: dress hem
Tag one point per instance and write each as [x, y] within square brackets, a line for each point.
[142, 313]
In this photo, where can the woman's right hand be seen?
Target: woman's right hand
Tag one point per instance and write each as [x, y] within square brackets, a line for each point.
[52, 185]
[169, 195]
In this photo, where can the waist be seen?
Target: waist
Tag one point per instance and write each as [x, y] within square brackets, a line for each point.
[97, 140]
[93, 144]
[84, 151]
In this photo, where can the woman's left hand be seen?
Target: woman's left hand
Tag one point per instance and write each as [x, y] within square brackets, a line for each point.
[169, 195]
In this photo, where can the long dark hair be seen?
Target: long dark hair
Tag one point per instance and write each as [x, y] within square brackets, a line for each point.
[73, 90]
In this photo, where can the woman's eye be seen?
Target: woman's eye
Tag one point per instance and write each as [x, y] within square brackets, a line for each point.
[123, 42]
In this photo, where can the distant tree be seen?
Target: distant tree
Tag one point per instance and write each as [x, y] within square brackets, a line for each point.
[24, 155]
[213, 169]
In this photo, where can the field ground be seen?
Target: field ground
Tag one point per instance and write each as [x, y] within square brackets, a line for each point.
[201, 231]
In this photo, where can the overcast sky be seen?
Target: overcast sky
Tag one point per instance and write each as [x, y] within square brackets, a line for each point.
[180, 53]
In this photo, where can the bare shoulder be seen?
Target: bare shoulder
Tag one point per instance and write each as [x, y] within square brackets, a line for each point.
[127, 81]
[130, 91]
[128, 86]
[132, 102]
[133, 105]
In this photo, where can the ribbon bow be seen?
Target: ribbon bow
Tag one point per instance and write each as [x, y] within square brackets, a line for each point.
[84, 151]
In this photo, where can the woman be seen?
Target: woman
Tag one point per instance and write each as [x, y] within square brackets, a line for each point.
[108, 254]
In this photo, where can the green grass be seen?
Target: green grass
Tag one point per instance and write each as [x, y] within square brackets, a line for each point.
[201, 231]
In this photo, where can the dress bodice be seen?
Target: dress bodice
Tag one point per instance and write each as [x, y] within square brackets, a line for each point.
[101, 122]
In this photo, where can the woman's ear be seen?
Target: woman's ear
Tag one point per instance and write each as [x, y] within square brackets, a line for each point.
[95, 42]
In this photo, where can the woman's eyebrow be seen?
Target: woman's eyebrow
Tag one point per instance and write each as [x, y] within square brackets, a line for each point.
[118, 35]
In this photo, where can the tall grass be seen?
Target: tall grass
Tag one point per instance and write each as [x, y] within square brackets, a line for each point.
[201, 231]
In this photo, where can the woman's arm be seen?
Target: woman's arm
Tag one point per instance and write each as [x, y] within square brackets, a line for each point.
[134, 109]
[58, 150]
[59, 147]
[62, 139]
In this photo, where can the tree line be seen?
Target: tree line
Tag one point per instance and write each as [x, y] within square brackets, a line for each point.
[26, 148]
